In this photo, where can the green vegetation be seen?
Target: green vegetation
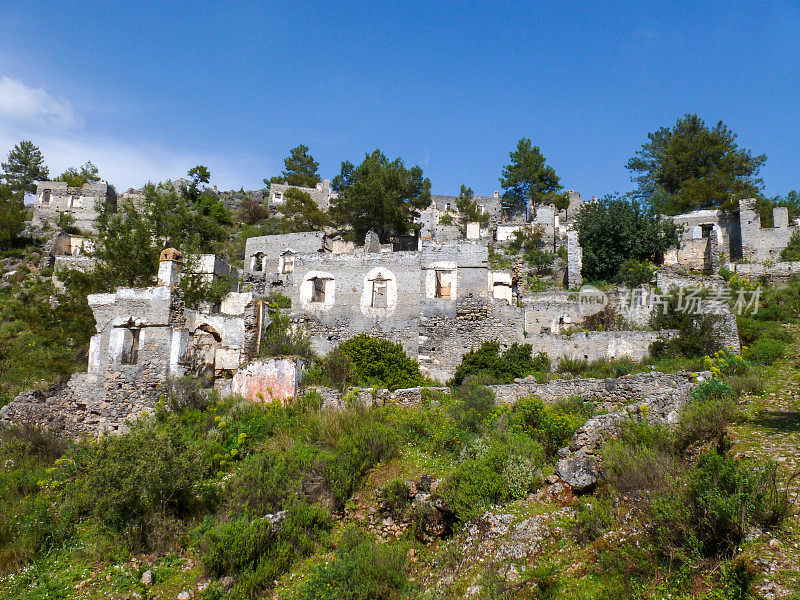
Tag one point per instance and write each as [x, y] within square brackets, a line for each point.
[379, 195]
[492, 366]
[380, 363]
[468, 208]
[25, 167]
[78, 176]
[301, 169]
[615, 231]
[528, 178]
[691, 166]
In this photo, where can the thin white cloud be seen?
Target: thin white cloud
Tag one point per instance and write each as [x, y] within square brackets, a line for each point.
[129, 165]
[23, 104]
[32, 114]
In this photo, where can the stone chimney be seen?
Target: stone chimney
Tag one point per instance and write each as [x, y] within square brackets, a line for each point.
[169, 268]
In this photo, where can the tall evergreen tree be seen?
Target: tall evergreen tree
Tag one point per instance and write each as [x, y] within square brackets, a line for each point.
[692, 166]
[25, 167]
[12, 215]
[528, 177]
[380, 195]
[301, 169]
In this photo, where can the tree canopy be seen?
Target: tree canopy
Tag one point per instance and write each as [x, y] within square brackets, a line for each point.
[77, 176]
[528, 177]
[300, 213]
[25, 167]
[691, 166]
[301, 170]
[468, 208]
[12, 215]
[379, 195]
[614, 230]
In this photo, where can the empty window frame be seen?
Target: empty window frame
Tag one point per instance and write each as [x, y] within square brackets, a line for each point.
[258, 262]
[46, 197]
[706, 230]
[444, 282]
[130, 347]
[379, 292]
[288, 263]
[317, 289]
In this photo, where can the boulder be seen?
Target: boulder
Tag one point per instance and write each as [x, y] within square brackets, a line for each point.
[578, 470]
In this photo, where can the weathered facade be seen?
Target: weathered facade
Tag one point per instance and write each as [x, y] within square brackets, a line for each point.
[322, 194]
[84, 204]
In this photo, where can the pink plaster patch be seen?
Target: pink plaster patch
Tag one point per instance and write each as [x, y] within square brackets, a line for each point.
[267, 379]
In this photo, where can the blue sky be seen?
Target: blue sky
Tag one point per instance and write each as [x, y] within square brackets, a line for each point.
[148, 89]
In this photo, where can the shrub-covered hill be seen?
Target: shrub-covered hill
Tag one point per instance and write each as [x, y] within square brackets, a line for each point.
[217, 498]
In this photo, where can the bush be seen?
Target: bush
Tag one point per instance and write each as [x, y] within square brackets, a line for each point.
[766, 351]
[380, 363]
[707, 416]
[488, 363]
[593, 518]
[129, 481]
[395, 498]
[259, 550]
[475, 402]
[750, 383]
[503, 466]
[361, 570]
[697, 333]
[551, 426]
[722, 498]
[281, 338]
[641, 459]
[635, 272]
[792, 250]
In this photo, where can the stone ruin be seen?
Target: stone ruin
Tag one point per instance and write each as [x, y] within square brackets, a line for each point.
[438, 297]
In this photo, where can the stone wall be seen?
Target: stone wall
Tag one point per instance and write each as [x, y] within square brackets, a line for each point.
[268, 379]
[759, 243]
[779, 271]
[54, 198]
[593, 345]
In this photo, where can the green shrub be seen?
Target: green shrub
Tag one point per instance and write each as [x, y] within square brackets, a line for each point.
[792, 250]
[395, 497]
[766, 351]
[361, 570]
[260, 551]
[752, 382]
[641, 460]
[380, 363]
[697, 333]
[474, 403]
[488, 363]
[593, 518]
[551, 426]
[281, 338]
[722, 498]
[500, 467]
[130, 480]
[707, 416]
[634, 272]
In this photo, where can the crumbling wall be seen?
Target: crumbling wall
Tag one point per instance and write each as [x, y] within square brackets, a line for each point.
[268, 379]
[54, 198]
[592, 345]
[763, 244]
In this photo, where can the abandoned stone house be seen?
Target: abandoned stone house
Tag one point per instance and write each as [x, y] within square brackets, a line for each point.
[322, 194]
[711, 238]
[55, 198]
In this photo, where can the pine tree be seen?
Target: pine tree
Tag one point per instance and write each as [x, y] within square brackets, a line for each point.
[25, 167]
[528, 178]
[301, 169]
